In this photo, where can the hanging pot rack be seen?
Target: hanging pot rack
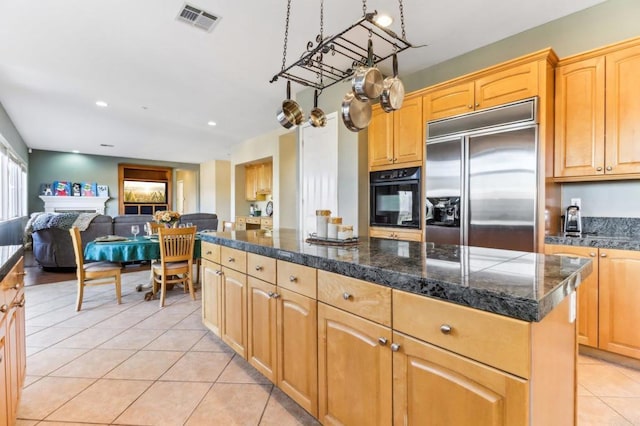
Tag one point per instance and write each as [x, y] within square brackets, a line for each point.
[336, 57]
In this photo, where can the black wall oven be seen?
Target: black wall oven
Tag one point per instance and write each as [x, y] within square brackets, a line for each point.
[395, 198]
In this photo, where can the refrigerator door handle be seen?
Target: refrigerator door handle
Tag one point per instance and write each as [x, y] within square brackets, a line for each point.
[464, 198]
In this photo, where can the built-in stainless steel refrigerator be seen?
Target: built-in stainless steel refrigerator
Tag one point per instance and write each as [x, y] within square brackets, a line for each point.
[481, 178]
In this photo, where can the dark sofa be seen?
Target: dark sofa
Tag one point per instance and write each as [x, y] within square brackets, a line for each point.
[52, 247]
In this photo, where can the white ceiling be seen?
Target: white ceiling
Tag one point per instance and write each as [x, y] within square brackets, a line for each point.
[164, 80]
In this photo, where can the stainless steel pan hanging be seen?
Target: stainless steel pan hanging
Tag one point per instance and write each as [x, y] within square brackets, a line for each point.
[290, 114]
[367, 80]
[356, 114]
[317, 118]
[393, 90]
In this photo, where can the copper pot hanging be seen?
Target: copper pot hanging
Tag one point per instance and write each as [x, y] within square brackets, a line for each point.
[317, 117]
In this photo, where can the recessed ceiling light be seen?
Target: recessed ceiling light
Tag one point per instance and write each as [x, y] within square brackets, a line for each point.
[212, 123]
[107, 145]
[383, 20]
[102, 104]
[75, 151]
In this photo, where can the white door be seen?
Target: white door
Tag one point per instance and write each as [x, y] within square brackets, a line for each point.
[180, 196]
[318, 172]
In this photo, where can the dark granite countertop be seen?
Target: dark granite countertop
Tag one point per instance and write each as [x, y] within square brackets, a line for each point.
[520, 285]
[9, 255]
[619, 242]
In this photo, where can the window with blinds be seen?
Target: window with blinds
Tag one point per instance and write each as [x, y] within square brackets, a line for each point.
[13, 185]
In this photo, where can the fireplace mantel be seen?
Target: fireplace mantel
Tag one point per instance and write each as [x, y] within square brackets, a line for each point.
[76, 204]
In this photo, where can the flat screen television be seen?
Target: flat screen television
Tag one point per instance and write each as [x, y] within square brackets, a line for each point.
[144, 192]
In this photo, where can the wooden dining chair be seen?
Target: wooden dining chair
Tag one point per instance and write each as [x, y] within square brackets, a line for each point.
[176, 260]
[93, 273]
[153, 226]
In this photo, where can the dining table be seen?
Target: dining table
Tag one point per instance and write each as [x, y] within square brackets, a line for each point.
[133, 249]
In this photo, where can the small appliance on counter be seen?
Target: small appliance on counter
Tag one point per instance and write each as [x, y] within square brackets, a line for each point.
[572, 222]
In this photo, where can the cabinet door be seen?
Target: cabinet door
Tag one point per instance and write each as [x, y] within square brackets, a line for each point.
[13, 360]
[354, 369]
[513, 84]
[261, 307]
[211, 296]
[580, 97]
[587, 293]
[251, 182]
[619, 295]
[432, 386]
[297, 337]
[408, 131]
[449, 101]
[265, 171]
[234, 310]
[623, 112]
[380, 133]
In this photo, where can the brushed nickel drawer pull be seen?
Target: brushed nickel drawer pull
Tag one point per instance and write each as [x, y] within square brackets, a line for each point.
[275, 295]
[258, 268]
[209, 252]
[603, 254]
[346, 296]
[395, 347]
[22, 302]
[292, 278]
[598, 169]
[609, 168]
[4, 308]
[445, 328]
[231, 259]
[16, 286]
[382, 341]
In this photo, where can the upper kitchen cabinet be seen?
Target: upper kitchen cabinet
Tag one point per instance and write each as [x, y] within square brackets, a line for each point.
[598, 114]
[258, 180]
[396, 139]
[507, 82]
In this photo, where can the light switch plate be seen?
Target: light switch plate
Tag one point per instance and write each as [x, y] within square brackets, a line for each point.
[576, 202]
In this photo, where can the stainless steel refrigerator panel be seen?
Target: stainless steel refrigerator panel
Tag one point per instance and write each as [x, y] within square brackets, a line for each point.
[444, 169]
[502, 189]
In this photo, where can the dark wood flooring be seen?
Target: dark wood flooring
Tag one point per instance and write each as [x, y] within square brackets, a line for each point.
[36, 275]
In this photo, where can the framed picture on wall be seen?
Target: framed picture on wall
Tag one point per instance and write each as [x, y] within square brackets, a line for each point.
[76, 189]
[89, 189]
[103, 190]
[45, 189]
[61, 188]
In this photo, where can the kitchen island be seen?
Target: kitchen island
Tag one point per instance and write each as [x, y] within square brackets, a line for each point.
[396, 332]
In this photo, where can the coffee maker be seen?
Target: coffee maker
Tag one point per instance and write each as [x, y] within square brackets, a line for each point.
[572, 222]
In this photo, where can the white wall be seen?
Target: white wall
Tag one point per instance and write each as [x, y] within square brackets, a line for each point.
[215, 189]
[189, 180]
[604, 199]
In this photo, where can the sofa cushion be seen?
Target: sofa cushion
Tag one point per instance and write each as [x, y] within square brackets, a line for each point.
[122, 224]
[203, 221]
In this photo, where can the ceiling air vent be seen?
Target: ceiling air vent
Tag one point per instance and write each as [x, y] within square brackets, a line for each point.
[198, 17]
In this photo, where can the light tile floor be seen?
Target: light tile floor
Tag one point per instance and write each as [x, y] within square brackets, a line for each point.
[137, 364]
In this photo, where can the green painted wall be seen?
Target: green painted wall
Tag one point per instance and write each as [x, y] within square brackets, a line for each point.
[47, 166]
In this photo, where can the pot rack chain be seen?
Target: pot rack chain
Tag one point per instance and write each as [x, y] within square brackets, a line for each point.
[336, 58]
[286, 35]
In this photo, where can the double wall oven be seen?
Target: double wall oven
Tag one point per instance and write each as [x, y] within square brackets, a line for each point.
[395, 198]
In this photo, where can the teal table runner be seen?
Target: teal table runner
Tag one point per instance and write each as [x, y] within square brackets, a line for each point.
[141, 248]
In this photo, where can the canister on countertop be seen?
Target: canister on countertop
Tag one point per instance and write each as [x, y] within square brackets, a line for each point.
[332, 227]
[322, 219]
[345, 232]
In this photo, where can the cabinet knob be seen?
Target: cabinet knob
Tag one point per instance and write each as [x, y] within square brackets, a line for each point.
[4, 308]
[592, 254]
[270, 294]
[603, 254]
[390, 160]
[445, 328]
[395, 159]
[218, 272]
[23, 273]
[16, 286]
[382, 341]
[477, 105]
[22, 302]
[258, 268]
[231, 259]
[346, 296]
[292, 278]
[209, 252]
[470, 106]
[395, 347]
[275, 295]
[609, 168]
[598, 169]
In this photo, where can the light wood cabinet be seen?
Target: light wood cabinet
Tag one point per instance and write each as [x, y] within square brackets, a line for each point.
[396, 138]
[297, 337]
[262, 342]
[587, 311]
[499, 86]
[234, 310]
[211, 296]
[598, 114]
[258, 180]
[395, 234]
[460, 391]
[12, 343]
[619, 294]
[353, 359]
